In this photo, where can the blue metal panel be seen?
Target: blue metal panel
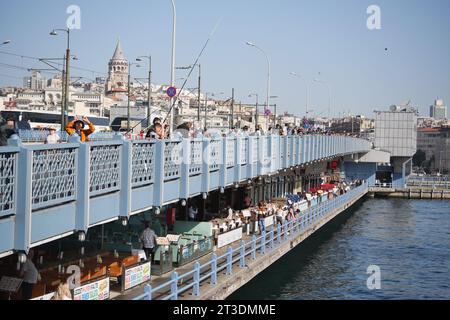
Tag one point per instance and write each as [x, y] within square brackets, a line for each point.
[195, 186]
[82, 202]
[222, 165]
[141, 198]
[6, 234]
[104, 207]
[361, 171]
[22, 232]
[214, 181]
[310, 149]
[171, 191]
[238, 159]
[207, 161]
[51, 222]
[230, 176]
[158, 189]
[185, 168]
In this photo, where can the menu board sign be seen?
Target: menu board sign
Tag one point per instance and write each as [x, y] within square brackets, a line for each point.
[229, 237]
[98, 290]
[268, 221]
[303, 205]
[134, 276]
[10, 284]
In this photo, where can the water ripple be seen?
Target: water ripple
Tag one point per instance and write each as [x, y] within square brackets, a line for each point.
[408, 239]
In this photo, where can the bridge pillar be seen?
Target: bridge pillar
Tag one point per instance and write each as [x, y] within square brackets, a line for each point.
[184, 168]
[158, 188]
[22, 232]
[126, 174]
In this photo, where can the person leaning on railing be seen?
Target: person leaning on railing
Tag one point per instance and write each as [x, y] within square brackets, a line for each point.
[7, 129]
[77, 126]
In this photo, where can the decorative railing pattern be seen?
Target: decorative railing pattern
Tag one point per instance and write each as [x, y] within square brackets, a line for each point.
[105, 169]
[172, 160]
[54, 176]
[215, 147]
[195, 167]
[7, 182]
[254, 155]
[244, 151]
[143, 163]
[230, 152]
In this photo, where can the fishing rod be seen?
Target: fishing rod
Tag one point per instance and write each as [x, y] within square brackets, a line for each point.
[187, 78]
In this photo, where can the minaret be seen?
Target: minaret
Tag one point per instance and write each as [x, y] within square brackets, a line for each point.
[117, 72]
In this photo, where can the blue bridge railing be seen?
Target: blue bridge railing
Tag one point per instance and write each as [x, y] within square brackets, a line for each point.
[49, 191]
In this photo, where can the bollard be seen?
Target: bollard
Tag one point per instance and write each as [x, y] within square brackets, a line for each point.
[254, 247]
[213, 269]
[278, 233]
[263, 242]
[174, 286]
[271, 237]
[242, 254]
[230, 261]
[148, 291]
[196, 288]
[285, 230]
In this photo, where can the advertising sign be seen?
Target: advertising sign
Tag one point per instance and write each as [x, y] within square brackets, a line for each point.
[98, 290]
[229, 237]
[134, 276]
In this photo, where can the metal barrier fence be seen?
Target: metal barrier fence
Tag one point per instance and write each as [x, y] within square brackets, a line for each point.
[434, 182]
[40, 136]
[263, 244]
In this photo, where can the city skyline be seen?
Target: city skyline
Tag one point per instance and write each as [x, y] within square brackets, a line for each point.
[366, 69]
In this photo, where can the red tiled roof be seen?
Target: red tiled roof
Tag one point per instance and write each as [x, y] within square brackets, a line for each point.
[428, 130]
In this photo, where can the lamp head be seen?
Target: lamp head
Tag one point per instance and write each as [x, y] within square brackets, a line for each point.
[249, 44]
[53, 33]
[6, 42]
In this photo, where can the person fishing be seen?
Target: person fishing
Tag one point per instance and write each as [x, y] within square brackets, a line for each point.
[77, 126]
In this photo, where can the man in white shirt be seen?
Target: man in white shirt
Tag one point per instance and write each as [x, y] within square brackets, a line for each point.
[52, 137]
[148, 240]
[30, 276]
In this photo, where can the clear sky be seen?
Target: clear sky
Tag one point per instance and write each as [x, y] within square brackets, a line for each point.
[308, 37]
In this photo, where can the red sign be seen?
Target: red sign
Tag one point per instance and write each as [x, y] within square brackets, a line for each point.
[334, 165]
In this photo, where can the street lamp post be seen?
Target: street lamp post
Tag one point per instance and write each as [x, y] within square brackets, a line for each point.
[149, 57]
[274, 110]
[172, 75]
[268, 72]
[65, 107]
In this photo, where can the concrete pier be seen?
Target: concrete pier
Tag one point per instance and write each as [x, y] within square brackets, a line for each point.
[411, 193]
